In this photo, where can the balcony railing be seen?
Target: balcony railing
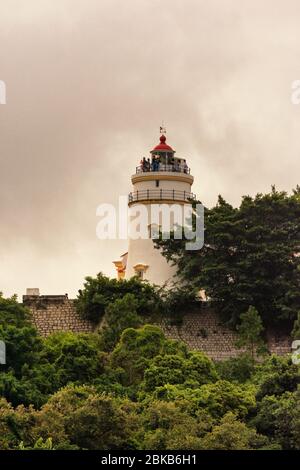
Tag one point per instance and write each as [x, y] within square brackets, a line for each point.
[160, 194]
[161, 167]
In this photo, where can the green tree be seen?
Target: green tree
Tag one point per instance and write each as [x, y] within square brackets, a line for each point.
[100, 291]
[137, 347]
[196, 369]
[276, 375]
[40, 444]
[119, 315]
[15, 424]
[79, 416]
[37, 367]
[23, 344]
[176, 301]
[23, 350]
[248, 257]
[279, 418]
[216, 398]
[166, 426]
[232, 434]
[249, 332]
[222, 396]
[236, 369]
[75, 357]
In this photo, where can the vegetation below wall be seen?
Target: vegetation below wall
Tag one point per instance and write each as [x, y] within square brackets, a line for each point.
[128, 387]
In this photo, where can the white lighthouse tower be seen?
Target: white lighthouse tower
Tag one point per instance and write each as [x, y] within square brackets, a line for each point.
[160, 179]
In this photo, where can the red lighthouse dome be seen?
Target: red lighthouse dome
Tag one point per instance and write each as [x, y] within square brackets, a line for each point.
[162, 146]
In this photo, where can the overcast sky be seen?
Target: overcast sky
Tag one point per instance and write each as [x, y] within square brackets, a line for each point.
[88, 84]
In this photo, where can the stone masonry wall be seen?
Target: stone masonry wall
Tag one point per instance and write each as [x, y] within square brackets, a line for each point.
[51, 313]
[201, 329]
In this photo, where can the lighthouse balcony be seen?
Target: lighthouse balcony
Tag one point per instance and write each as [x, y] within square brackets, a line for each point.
[161, 195]
[172, 168]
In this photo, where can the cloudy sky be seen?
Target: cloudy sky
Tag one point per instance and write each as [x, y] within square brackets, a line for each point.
[88, 84]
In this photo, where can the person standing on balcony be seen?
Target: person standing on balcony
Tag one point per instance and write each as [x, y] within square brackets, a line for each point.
[143, 164]
[156, 164]
[153, 163]
[176, 166]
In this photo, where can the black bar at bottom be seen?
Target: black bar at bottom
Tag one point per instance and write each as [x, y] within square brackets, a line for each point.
[138, 459]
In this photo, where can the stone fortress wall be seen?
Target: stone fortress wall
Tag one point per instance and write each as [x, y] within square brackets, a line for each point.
[52, 313]
[201, 329]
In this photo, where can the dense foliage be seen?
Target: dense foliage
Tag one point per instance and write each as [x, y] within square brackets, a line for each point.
[250, 257]
[100, 291]
[129, 387]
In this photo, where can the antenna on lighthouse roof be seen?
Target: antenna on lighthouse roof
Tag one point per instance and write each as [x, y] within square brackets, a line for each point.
[162, 129]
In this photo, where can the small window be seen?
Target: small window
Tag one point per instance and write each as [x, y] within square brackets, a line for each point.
[157, 183]
[140, 273]
[140, 270]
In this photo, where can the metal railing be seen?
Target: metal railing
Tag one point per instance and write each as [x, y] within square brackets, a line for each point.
[161, 167]
[159, 194]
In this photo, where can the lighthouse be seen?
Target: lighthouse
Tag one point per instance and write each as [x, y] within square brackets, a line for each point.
[161, 179]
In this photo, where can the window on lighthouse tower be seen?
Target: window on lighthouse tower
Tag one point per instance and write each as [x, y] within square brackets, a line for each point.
[140, 273]
[140, 269]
